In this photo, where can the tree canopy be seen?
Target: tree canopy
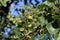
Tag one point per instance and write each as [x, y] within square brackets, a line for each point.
[44, 21]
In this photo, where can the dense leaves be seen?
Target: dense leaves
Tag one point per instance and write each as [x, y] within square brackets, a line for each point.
[40, 23]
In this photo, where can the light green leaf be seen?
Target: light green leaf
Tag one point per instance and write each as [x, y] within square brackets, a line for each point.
[48, 4]
[43, 20]
[50, 29]
[58, 37]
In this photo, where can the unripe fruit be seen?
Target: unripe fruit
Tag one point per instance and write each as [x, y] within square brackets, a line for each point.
[11, 19]
[21, 29]
[30, 17]
[19, 20]
[29, 25]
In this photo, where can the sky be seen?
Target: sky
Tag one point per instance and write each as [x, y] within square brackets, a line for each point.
[18, 6]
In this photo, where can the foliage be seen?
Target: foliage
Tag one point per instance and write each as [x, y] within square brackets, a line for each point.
[4, 2]
[43, 20]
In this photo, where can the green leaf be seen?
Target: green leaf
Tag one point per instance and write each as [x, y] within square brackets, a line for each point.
[43, 21]
[58, 37]
[3, 2]
[48, 4]
[50, 29]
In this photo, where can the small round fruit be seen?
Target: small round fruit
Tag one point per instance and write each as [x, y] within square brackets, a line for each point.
[21, 29]
[29, 25]
[30, 17]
